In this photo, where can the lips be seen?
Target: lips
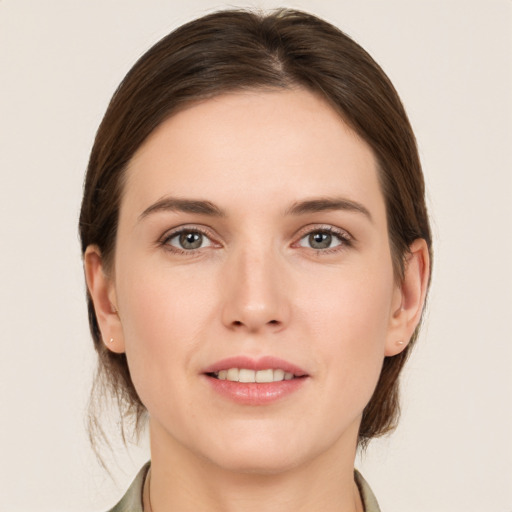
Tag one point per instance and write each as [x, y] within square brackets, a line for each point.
[257, 365]
[255, 381]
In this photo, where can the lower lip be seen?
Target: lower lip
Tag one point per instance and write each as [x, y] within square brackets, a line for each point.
[254, 393]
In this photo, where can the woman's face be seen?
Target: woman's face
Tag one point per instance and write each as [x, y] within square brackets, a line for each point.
[253, 245]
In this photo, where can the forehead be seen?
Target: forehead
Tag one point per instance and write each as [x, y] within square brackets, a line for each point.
[256, 145]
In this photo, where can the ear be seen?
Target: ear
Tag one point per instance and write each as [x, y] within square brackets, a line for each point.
[102, 291]
[409, 298]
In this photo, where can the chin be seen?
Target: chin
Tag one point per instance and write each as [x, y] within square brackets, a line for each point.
[261, 453]
[257, 462]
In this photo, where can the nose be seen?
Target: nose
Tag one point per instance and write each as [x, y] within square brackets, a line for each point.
[256, 292]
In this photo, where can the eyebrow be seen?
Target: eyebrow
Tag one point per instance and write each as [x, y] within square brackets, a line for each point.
[327, 204]
[183, 205]
[203, 207]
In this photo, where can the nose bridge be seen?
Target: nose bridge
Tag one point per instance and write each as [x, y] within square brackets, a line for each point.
[255, 295]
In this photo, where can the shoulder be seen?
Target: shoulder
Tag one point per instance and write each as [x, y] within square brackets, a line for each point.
[132, 500]
[367, 496]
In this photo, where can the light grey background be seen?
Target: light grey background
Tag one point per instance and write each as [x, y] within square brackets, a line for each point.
[451, 62]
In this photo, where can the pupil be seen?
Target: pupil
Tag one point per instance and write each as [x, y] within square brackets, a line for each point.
[191, 240]
[320, 240]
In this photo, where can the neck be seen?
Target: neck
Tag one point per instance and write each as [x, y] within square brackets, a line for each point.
[181, 480]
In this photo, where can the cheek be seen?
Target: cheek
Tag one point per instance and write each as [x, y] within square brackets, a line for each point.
[162, 315]
[349, 319]
[161, 304]
[351, 303]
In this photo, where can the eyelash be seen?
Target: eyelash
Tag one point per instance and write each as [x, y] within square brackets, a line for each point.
[345, 240]
[185, 230]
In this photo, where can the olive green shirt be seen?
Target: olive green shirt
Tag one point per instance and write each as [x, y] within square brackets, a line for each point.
[132, 500]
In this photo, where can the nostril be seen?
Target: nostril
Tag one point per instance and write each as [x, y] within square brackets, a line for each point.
[238, 323]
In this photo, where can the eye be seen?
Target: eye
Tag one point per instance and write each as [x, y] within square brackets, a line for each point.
[188, 240]
[322, 239]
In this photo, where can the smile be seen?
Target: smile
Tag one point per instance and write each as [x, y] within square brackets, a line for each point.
[255, 382]
[247, 375]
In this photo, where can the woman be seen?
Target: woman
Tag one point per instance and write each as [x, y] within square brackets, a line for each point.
[257, 254]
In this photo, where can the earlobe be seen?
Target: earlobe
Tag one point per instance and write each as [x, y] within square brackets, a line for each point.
[102, 291]
[410, 301]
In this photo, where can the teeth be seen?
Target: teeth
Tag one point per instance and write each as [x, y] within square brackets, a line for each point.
[265, 376]
[232, 374]
[278, 375]
[245, 375]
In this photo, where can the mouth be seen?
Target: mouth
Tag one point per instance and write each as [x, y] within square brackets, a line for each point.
[248, 370]
[255, 382]
[248, 375]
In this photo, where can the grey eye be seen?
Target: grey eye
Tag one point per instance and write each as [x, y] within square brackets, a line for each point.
[320, 240]
[189, 240]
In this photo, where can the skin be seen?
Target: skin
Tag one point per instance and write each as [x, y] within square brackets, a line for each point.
[256, 286]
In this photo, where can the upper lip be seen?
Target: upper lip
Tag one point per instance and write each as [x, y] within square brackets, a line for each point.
[260, 363]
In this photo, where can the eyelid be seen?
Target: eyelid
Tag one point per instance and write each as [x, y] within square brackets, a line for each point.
[173, 232]
[327, 228]
[345, 237]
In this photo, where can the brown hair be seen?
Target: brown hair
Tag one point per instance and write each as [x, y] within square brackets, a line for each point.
[233, 50]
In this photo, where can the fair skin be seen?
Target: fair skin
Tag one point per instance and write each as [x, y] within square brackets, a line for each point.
[253, 225]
